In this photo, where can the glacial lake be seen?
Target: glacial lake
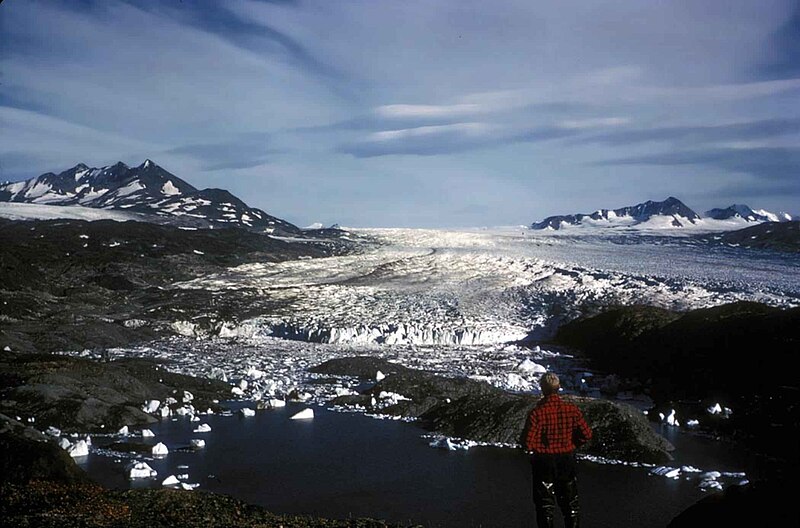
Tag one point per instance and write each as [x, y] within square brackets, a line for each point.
[345, 465]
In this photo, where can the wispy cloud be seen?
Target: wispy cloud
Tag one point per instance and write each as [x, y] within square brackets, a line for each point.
[764, 163]
[764, 128]
[246, 151]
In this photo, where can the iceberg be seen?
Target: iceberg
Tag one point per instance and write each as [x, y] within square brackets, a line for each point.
[305, 414]
[197, 443]
[78, 449]
[123, 431]
[202, 428]
[64, 444]
[379, 376]
[274, 403]
[529, 367]
[141, 470]
[147, 433]
[171, 480]
[160, 450]
[53, 431]
[151, 406]
[247, 411]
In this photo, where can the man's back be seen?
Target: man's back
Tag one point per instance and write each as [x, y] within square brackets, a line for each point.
[556, 427]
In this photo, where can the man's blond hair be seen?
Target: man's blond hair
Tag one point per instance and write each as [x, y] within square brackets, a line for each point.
[549, 383]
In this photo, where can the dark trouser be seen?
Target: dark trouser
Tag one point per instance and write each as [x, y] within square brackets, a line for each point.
[555, 481]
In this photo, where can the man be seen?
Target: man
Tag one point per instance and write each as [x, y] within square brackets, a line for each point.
[555, 429]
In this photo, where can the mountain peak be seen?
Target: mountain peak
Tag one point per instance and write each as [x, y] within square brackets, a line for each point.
[149, 190]
[630, 215]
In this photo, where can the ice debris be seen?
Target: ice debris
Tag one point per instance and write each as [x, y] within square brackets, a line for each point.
[202, 428]
[380, 376]
[78, 449]
[64, 443]
[305, 414]
[123, 431]
[141, 470]
[151, 406]
[197, 443]
[160, 450]
[246, 411]
[274, 403]
[171, 480]
[147, 433]
[53, 431]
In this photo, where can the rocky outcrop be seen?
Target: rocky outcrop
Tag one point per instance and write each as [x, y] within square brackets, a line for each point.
[783, 236]
[29, 455]
[703, 356]
[75, 394]
[477, 411]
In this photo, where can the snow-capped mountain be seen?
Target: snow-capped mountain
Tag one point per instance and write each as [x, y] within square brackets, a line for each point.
[146, 189]
[668, 213]
[747, 214]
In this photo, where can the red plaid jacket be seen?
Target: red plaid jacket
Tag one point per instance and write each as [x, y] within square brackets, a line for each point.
[556, 427]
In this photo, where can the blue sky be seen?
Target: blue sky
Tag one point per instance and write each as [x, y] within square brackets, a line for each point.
[414, 112]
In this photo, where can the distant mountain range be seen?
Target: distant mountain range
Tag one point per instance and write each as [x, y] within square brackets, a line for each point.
[670, 213]
[148, 190]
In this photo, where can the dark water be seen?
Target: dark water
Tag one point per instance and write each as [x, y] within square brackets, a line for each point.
[341, 465]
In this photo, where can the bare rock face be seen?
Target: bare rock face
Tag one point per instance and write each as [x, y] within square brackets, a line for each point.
[29, 455]
[478, 411]
[77, 394]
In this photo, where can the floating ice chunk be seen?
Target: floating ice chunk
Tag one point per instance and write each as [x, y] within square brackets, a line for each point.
[451, 445]
[123, 431]
[147, 433]
[710, 484]
[171, 480]
[530, 367]
[160, 450]
[666, 471]
[187, 396]
[247, 411]
[189, 487]
[170, 401]
[53, 431]
[243, 384]
[344, 391]
[692, 423]
[195, 418]
[140, 470]
[672, 419]
[379, 376]
[183, 476]
[151, 406]
[202, 428]
[274, 403]
[165, 412]
[715, 409]
[197, 443]
[514, 381]
[305, 414]
[237, 391]
[64, 444]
